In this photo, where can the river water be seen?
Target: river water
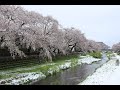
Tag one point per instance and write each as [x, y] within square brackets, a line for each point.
[74, 75]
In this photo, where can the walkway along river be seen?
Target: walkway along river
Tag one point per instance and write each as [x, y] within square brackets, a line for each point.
[74, 75]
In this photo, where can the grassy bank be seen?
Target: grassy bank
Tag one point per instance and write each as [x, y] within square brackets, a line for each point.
[95, 54]
[25, 74]
[110, 54]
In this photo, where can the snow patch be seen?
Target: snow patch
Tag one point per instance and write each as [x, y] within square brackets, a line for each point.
[23, 78]
[79, 62]
[51, 71]
[89, 60]
[102, 75]
[83, 56]
[65, 66]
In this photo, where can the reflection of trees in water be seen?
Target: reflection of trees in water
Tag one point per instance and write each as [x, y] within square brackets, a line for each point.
[73, 75]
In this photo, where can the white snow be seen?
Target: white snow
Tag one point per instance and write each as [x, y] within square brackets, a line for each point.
[117, 56]
[114, 78]
[26, 77]
[108, 74]
[52, 70]
[65, 66]
[89, 60]
[21, 69]
[83, 56]
[23, 78]
[79, 62]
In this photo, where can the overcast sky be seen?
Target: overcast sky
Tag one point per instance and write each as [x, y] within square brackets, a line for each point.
[98, 22]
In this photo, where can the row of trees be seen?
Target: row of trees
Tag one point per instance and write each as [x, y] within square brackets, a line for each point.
[22, 30]
[116, 47]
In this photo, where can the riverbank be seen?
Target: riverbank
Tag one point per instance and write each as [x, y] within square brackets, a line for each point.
[28, 75]
[108, 74]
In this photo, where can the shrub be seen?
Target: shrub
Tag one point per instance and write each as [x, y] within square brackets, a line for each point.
[95, 54]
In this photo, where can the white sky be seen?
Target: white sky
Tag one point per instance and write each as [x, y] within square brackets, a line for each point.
[98, 22]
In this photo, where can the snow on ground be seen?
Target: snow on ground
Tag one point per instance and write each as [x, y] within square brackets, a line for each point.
[85, 59]
[65, 66]
[79, 62]
[89, 60]
[51, 71]
[28, 68]
[33, 76]
[114, 78]
[108, 74]
[117, 56]
[26, 77]
[83, 56]
[22, 78]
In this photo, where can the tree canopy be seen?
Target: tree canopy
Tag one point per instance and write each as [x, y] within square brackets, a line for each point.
[20, 29]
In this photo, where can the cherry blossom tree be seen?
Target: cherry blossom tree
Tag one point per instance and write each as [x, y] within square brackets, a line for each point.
[116, 47]
[74, 39]
[21, 29]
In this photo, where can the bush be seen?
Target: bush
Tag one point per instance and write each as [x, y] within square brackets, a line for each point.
[95, 54]
[118, 53]
[109, 52]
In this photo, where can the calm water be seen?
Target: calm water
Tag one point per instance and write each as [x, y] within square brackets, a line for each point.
[73, 75]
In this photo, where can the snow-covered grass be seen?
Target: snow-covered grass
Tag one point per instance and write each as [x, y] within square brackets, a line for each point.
[51, 71]
[30, 74]
[117, 56]
[89, 60]
[107, 74]
[65, 66]
[83, 56]
[22, 78]
[27, 75]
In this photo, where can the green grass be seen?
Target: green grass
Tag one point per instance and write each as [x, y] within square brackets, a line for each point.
[109, 57]
[17, 64]
[32, 62]
[109, 52]
[96, 54]
[58, 61]
[44, 67]
[5, 76]
[62, 58]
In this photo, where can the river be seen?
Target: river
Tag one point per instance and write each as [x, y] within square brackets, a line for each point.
[74, 75]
